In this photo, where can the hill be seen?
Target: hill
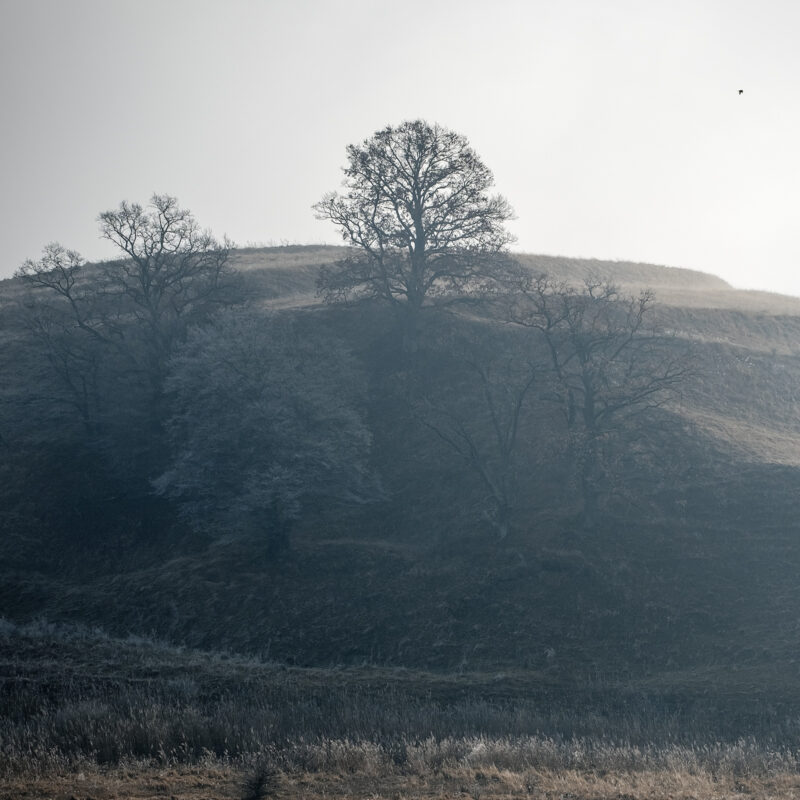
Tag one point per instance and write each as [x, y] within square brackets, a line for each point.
[687, 579]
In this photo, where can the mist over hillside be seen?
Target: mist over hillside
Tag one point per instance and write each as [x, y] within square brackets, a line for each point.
[761, 423]
[691, 558]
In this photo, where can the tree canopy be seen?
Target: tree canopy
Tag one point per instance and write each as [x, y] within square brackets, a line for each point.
[416, 206]
[266, 416]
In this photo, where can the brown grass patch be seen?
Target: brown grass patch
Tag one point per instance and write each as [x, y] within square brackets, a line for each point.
[223, 780]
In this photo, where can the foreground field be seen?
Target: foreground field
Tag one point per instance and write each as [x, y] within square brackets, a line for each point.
[219, 780]
[83, 715]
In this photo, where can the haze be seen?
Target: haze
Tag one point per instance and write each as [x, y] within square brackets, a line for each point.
[616, 130]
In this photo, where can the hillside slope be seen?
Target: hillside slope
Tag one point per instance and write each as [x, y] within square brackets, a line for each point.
[690, 573]
[745, 392]
[290, 272]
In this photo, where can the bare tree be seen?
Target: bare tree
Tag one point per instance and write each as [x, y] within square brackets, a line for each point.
[611, 366]
[59, 271]
[417, 209]
[127, 314]
[173, 274]
[73, 323]
[479, 415]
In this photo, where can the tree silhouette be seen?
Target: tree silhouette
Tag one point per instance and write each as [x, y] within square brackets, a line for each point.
[416, 208]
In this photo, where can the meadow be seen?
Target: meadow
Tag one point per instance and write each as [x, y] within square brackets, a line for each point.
[86, 715]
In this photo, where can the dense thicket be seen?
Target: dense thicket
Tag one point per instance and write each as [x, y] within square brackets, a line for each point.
[265, 417]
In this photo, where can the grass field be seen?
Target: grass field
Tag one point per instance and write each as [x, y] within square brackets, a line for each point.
[86, 716]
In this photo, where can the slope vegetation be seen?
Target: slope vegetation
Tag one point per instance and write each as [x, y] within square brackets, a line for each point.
[687, 579]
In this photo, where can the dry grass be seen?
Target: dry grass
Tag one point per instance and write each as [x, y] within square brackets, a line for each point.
[74, 701]
[477, 769]
[674, 286]
[749, 440]
[86, 716]
[626, 273]
[287, 257]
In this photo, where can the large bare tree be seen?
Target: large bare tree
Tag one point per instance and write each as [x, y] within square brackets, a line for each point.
[173, 272]
[611, 365]
[416, 206]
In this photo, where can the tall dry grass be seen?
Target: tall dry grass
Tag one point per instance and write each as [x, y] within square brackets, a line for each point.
[72, 698]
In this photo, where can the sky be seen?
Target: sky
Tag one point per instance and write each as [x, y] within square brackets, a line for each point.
[615, 129]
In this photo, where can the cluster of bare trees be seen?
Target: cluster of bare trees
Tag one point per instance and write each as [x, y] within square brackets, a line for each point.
[241, 416]
[425, 229]
[155, 365]
[554, 378]
[119, 321]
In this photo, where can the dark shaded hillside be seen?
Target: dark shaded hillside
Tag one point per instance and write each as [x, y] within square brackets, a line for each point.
[690, 571]
[711, 586]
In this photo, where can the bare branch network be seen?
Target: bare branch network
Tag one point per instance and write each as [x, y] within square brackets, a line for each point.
[417, 209]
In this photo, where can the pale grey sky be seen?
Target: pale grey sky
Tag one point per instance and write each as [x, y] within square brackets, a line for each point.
[614, 128]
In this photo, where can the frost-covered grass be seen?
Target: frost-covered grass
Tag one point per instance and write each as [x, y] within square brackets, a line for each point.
[74, 700]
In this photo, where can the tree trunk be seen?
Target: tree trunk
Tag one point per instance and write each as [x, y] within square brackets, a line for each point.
[409, 321]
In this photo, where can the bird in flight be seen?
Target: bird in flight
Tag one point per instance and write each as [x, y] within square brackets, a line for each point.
[741, 91]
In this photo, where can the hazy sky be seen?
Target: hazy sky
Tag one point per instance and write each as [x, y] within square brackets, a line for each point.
[614, 127]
